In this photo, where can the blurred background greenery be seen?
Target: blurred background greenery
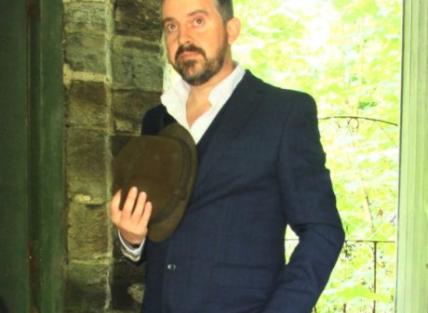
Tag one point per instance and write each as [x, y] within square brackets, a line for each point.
[347, 55]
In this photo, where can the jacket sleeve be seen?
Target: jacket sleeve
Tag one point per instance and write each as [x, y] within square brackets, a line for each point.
[310, 208]
[132, 253]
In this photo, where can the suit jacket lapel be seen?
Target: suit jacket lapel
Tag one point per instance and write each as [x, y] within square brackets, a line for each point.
[231, 120]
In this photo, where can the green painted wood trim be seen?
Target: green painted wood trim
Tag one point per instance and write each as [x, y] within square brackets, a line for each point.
[46, 160]
[14, 234]
[412, 271]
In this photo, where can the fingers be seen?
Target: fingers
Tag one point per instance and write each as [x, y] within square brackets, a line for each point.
[114, 207]
[129, 203]
[142, 210]
[144, 221]
[139, 206]
[133, 219]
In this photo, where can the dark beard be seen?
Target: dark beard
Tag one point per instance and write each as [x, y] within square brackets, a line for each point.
[210, 67]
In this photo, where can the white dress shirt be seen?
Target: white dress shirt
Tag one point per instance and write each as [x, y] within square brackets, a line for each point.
[175, 99]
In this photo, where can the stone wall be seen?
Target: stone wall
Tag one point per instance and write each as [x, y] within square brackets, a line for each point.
[112, 75]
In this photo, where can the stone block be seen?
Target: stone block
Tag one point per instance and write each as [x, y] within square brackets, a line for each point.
[86, 105]
[85, 51]
[138, 18]
[85, 17]
[136, 64]
[128, 107]
[88, 232]
[86, 166]
[86, 287]
[127, 287]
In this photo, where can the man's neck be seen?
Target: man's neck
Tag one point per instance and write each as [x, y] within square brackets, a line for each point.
[200, 94]
[197, 102]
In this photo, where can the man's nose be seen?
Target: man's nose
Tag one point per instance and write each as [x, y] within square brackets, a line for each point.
[185, 36]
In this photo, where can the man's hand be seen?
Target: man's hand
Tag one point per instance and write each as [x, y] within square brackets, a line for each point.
[132, 220]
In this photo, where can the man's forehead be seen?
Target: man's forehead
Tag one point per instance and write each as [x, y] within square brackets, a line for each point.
[171, 8]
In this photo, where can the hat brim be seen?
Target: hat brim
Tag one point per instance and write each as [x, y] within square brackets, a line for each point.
[164, 166]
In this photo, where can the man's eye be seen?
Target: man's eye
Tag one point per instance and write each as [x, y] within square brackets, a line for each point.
[170, 27]
[198, 21]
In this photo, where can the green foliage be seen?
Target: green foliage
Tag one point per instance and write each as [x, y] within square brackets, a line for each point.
[347, 54]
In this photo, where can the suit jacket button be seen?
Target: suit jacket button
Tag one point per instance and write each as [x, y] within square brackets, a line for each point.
[171, 267]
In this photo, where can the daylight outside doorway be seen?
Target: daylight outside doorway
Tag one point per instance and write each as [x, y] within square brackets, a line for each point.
[347, 54]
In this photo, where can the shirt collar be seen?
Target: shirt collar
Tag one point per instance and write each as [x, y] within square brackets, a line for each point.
[175, 98]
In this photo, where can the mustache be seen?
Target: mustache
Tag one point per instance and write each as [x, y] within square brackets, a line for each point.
[188, 48]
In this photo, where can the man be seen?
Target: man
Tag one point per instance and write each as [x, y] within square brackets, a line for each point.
[261, 167]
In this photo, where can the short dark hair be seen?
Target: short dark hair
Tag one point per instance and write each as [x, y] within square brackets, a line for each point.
[225, 7]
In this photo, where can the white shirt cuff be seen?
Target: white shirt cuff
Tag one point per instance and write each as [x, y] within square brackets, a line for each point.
[134, 254]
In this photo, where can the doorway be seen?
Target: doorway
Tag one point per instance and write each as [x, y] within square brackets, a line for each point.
[347, 55]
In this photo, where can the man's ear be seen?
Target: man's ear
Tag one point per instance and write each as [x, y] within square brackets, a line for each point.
[233, 28]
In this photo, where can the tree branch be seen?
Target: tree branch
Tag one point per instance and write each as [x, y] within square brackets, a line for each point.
[358, 118]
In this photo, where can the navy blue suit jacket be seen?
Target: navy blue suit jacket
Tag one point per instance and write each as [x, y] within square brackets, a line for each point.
[261, 167]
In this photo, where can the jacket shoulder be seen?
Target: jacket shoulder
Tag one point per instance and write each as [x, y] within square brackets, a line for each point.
[274, 92]
[286, 99]
[153, 120]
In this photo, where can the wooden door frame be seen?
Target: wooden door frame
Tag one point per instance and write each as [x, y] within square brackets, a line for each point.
[412, 265]
[32, 119]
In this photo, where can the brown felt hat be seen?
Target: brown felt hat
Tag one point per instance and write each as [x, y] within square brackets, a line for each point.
[163, 166]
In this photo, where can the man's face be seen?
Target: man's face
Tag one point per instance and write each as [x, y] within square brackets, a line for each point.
[196, 38]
